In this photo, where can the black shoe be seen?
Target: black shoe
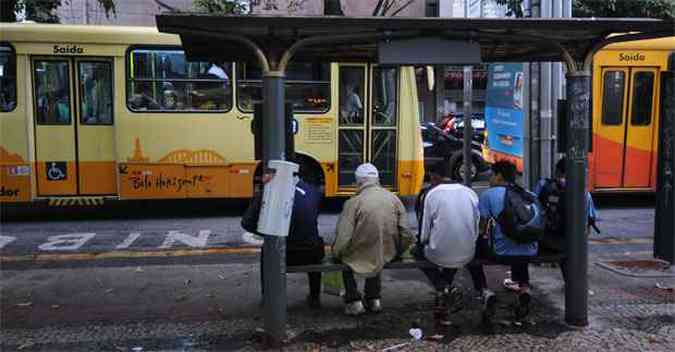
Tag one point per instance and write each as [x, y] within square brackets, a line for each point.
[314, 302]
[523, 307]
[489, 306]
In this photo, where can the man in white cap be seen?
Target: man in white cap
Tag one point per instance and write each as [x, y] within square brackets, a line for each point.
[371, 231]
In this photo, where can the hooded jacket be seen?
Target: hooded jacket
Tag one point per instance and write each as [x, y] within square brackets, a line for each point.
[372, 230]
[450, 225]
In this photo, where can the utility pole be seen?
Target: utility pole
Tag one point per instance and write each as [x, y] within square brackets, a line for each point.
[85, 8]
[546, 104]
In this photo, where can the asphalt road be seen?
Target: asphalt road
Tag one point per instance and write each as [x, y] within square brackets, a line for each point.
[188, 232]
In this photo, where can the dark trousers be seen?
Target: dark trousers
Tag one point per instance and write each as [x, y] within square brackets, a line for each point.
[443, 278]
[301, 253]
[519, 264]
[371, 290]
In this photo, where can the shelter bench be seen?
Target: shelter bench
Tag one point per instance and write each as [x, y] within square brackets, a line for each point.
[330, 265]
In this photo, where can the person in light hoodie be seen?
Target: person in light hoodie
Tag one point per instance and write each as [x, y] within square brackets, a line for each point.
[449, 218]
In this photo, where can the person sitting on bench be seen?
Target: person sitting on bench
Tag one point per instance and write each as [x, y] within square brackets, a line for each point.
[371, 231]
[448, 216]
[304, 246]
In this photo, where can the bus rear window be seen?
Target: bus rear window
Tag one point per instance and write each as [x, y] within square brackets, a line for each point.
[612, 97]
[7, 79]
[307, 87]
[162, 80]
[643, 93]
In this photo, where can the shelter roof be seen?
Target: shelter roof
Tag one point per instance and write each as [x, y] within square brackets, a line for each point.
[356, 38]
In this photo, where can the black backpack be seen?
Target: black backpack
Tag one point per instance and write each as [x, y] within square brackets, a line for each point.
[552, 198]
[522, 219]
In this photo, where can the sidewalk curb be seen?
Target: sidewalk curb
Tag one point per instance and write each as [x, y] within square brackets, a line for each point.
[629, 274]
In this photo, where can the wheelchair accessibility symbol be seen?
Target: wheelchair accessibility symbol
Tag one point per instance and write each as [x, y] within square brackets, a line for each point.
[56, 170]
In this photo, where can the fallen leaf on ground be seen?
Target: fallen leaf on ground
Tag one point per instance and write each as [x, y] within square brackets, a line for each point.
[26, 345]
[55, 306]
[437, 337]
[110, 290]
[187, 282]
[221, 277]
[139, 269]
[25, 304]
[662, 287]
[181, 298]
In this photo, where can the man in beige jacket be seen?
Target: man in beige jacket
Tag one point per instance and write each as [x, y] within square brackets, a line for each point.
[371, 231]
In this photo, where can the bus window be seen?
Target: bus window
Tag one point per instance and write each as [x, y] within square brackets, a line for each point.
[612, 98]
[162, 80]
[384, 101]
[52, 92]
[351, 95]
[96, 93]
[307, 86]
[7, 79]
[642, 98]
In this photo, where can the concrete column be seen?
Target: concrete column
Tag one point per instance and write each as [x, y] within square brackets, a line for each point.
[274, 248]
[468, 128]
[576, 287]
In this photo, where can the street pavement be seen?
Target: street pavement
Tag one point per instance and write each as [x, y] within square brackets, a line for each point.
[176, 282]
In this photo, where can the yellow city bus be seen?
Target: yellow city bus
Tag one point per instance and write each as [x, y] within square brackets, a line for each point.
[626, 110]
[94, 112]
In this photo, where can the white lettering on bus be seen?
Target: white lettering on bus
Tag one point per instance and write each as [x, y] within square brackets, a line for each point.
[74, 49]
[66, 242]
[631, 57]
[129, 240]
[5, 240]
[192, 241]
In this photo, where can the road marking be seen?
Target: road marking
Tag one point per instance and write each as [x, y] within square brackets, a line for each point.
[5, 240]
[129, 240]
[68, 242]
[128, 254]
[192, 241]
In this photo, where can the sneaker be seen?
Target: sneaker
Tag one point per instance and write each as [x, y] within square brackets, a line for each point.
[355, 308]
[489, 305]
[453, 299]
[511, 285]
[374, 305]
[523, 307]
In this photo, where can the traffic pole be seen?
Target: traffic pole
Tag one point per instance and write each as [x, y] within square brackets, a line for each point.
[274, 247]
[468, 128]
[576, 287]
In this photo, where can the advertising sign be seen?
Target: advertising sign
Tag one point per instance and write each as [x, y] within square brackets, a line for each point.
[504, 108]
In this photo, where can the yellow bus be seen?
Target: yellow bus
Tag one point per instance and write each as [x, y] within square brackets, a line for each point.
[626, 109]
[94, 112]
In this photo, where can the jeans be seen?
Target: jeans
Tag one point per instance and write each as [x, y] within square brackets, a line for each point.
[442, 278]
[372, 288]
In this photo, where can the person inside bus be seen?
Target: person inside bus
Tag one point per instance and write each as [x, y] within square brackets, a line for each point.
[371, 231]
[142, 98]
[96, 99]
[54, 106]
[352, 107]
[304, 246]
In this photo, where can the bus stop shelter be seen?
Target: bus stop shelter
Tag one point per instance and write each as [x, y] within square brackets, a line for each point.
[273, 41]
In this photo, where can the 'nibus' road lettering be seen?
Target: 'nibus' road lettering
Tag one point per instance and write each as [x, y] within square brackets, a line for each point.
[69, 49]
[631, 57]
[69, 242]
[5, 240]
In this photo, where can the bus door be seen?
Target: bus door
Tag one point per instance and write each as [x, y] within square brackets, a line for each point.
[352, 121]
[383, 123]
[73, 102]
[368, 122]
[625, 132]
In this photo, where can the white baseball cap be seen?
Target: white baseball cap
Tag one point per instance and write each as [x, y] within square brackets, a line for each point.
[367, 170]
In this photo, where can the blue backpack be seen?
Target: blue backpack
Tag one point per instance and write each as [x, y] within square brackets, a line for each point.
[523, 220]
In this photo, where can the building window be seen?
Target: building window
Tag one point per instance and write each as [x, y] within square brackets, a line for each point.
[307, 87]
[7, 79]
[163, 80]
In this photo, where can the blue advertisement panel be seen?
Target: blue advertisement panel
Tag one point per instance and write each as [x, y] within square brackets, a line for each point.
[504, 116]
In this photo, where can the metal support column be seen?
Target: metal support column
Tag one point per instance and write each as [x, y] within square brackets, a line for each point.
[546, 112]
[274, 248]
[576, 287]
[468, 128]
[664, 227]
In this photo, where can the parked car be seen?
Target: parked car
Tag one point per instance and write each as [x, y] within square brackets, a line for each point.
[446, 148]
